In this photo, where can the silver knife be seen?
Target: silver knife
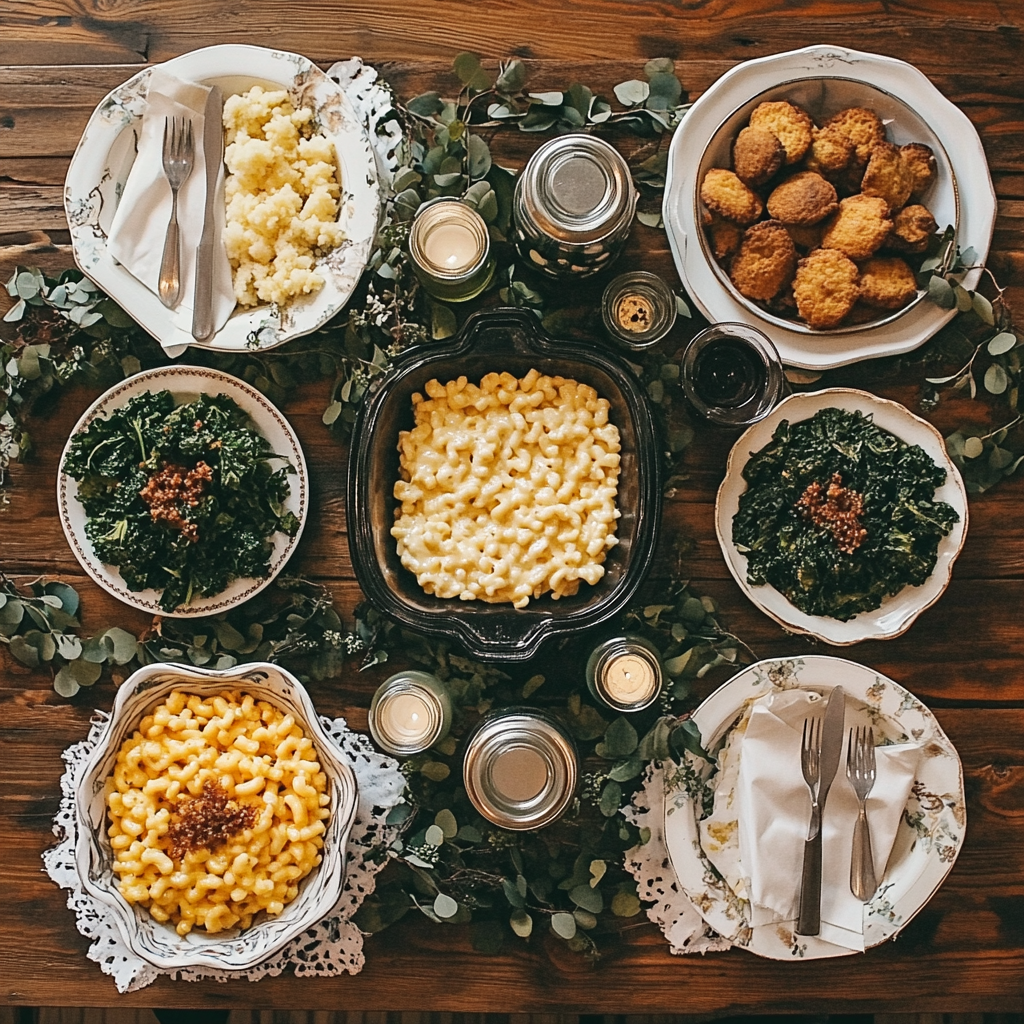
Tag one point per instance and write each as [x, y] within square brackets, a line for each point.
[213, 152]
[809, 922]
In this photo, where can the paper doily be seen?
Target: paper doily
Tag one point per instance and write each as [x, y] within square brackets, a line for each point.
[332, 946]
[649, 864]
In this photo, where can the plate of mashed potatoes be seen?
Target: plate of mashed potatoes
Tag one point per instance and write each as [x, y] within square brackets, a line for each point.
[300, 201]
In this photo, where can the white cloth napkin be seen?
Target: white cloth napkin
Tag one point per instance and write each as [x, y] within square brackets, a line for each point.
[773, 809]
[140, 224]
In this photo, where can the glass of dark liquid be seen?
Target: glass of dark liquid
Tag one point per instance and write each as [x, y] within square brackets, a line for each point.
[732, 374]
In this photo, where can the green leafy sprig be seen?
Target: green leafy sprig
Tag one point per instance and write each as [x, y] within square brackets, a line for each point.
[568, 879]
[292, 623]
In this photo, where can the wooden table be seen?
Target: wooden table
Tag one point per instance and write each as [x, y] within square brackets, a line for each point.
[965, 656]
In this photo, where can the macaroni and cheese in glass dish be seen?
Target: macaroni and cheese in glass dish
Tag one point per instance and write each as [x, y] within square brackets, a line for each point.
[214, 815]
[447, 457]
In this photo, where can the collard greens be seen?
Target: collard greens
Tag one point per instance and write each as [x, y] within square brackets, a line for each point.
[235, 518]
[903, 521]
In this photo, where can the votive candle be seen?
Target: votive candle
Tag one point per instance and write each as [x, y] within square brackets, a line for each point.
[410, 712]
[625, 673]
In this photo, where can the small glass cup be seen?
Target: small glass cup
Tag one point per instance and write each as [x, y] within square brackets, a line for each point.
[410, 712]
[732, 375]
[638, 309]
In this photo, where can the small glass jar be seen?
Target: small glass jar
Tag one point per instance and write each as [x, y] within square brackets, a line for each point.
[521, 768]
[573, 206]
[638, 309]
[451, 250]
[625, 673]
[410, 712]
[732, 375]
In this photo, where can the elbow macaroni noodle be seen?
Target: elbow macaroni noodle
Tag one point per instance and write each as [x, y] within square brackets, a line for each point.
[259, 755]
[508, 489]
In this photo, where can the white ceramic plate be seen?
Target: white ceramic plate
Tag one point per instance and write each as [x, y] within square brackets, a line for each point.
[237, 949]
[186, 383]
[106, 152]
[929, 836]
[896, 613]
[866, 79]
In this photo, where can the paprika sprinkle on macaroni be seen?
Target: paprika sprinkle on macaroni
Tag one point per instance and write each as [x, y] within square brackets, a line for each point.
[208, 821]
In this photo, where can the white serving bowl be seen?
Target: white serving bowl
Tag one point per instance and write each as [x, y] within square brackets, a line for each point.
[236, 949]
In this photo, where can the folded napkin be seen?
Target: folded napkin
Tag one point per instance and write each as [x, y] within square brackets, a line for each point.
[137, 233]
[773, 810]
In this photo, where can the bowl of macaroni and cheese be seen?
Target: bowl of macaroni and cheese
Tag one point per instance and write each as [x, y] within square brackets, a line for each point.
[504, 489]
[213, 815]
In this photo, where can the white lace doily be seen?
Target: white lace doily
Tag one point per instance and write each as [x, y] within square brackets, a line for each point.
[372, 100]
[333, 946]
[649, 864]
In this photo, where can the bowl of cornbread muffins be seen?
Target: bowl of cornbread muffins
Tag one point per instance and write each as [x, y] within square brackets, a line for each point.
[818, 199]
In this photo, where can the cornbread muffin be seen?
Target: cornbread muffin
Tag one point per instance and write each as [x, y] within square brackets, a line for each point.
[887, 282]
[805, 198]
[911, 228]
[886, 176]
[831, 151]
[765, 261]
[825, 287]
[725, 237]
[806, 236]
[790, 124]
[920, 164]
[757, 155]
[724, 193]
[861, 126]
[859, 227]
[282, 194]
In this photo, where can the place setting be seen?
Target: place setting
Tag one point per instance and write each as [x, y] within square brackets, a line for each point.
[547, 753]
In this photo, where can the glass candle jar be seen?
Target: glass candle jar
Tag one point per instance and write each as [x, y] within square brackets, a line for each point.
[410, 712]
[625, 673]
[521, 768]
[638, 309]
[451, 250]
[732, 375]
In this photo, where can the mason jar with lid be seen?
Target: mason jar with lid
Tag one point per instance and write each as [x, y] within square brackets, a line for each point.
[573, 207]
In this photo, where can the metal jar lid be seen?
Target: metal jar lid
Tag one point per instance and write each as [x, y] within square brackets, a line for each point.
[576, 189]
[521, 769]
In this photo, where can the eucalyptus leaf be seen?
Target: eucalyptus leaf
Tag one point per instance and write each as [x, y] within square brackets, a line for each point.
[598, 868]
[563, 925]
[631, 93]
[547, 99]
[479, 156]
[436, 771]
[434, 835]
[1001, 343]
[443, 322]
[973, 447]
[521, 923]
[995, 379]
[941, 292]
[445, 821]
[625, 904]
[512, 894]
[24, 652]
[532, 685]
[651, 220]
[512, 77]
[85, 672]
[611, 799]
[983, 308]
[620, 738]
[426, 104]
[65, 683]
[445, 906]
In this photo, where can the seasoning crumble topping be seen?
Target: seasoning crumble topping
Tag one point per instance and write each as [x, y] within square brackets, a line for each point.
[170, 488]
[208, 821]
[838, 509]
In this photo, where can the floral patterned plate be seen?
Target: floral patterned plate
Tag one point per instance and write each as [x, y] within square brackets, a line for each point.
[929, 837]
[106, 152]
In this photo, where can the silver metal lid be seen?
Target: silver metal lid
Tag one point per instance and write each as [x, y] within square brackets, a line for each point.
[577, 188]
[520, 769]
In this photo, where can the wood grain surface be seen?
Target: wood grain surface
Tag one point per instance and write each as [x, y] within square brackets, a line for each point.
[965, 656]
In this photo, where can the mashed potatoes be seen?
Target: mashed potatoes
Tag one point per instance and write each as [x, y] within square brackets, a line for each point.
[282, 194]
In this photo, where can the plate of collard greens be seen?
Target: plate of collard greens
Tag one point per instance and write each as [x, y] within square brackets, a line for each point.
[841, 515]
[183, 491]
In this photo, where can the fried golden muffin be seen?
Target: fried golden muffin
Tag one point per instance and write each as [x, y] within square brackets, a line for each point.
[805, 198]
[791, 125]
[831, 151]
[765, 261]
[887, 282]
[920, 164]
[859, 227]
[724, 236]
[887, 176]
[724, 194]
[806, 236]
[911, 228]
[861, 126]
[847, 181]
[756, 155]
[825, 287]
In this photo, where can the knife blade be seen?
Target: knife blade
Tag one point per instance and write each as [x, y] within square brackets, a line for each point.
[832, 731]
[213, 153]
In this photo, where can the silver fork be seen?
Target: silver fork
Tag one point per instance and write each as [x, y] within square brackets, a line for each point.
[860, 770]
[178, 154]
[810, 765]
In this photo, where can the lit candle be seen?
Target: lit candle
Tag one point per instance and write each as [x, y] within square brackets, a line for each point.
[625, 673]
[410, 712]
[450, 250]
